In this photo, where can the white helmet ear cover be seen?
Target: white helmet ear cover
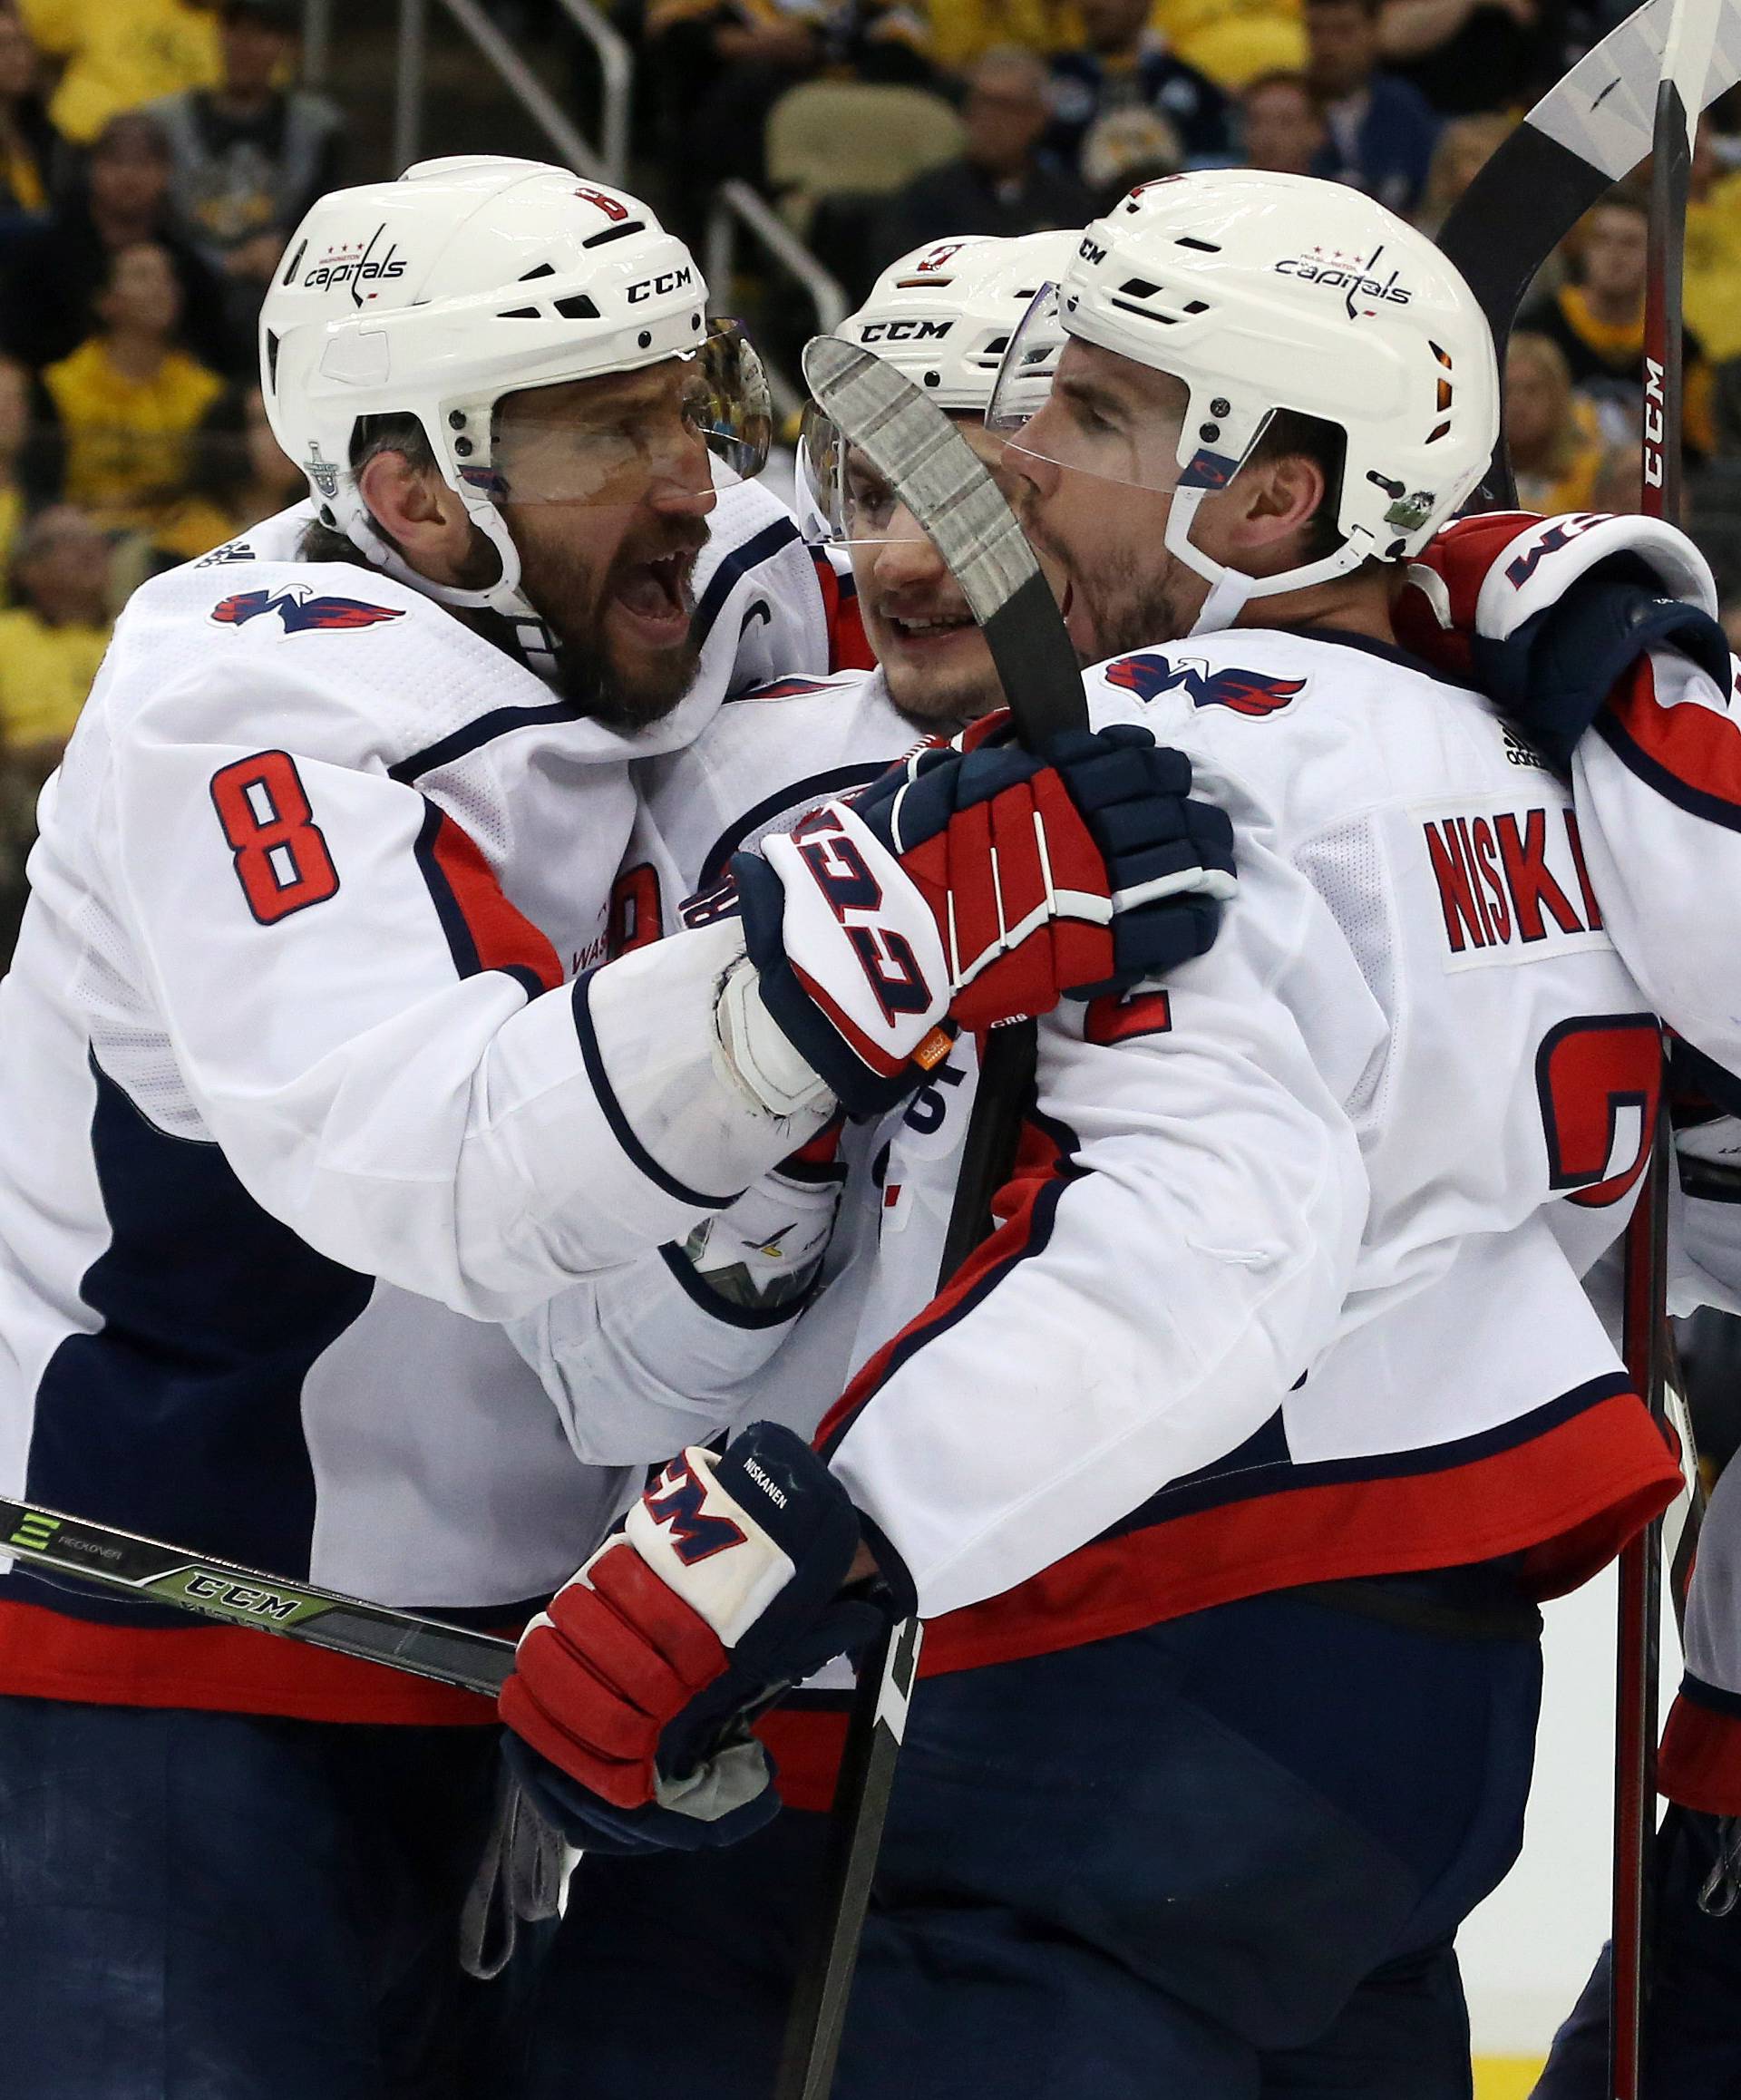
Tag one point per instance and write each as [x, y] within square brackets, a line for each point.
[1541, 565]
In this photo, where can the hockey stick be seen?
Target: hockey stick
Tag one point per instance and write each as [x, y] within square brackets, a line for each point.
[150, 1571]
[937, 475]
[1591, 128]
[1685, 66]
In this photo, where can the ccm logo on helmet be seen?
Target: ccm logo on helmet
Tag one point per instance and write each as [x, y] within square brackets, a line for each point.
[1091, 251]
[1335, 275]
[666, 281]
[903, 331]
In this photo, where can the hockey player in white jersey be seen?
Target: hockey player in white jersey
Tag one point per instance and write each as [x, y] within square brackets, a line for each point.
[654, 1352]
[1600, 636]
[1228, 1470]
[311, 1081]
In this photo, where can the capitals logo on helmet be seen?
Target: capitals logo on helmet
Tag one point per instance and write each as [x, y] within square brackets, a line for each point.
[300, 610]
[1254, 693]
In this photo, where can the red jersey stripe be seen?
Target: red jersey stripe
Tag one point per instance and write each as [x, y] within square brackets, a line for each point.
[1695, 745]
[46, 1655]
[1699, 1764]
[503, 937]
[1567, 1499]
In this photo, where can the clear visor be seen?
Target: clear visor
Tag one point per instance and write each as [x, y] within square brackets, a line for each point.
[855, 505]
[622, 437]
[1056, 405]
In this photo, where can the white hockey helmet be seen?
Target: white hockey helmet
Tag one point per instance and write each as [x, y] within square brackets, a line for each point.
[943, 315]
[1264, 292]
[467, 279]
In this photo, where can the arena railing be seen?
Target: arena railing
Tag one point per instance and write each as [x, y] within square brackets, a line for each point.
[737, 209]
[606, 163]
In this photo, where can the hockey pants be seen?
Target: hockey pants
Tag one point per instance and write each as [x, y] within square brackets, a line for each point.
[1693, 2032]
[1222, 1859]
[204, 1906]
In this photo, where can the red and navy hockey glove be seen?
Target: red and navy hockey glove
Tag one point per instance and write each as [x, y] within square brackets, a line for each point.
[981, 885]
[633, 1693]
[1547, 615]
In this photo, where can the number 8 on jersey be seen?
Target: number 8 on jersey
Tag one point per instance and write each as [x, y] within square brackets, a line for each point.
[281, 858]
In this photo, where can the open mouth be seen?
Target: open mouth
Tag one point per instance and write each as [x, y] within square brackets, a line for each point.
[655, 595]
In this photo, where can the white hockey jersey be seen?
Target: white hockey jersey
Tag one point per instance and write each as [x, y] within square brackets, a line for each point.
[1287, 1283]
[299, 1108]
[1657, 787]
[643, 1358]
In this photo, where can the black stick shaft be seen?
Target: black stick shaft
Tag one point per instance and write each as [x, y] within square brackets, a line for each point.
[861, 1791]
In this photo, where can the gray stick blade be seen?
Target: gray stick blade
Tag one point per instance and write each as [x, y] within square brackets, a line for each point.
[943, 483]
[921, 454]
[1604, 110]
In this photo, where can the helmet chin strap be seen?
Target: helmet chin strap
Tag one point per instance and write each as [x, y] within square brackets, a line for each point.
[1229, 589]
[504, 596]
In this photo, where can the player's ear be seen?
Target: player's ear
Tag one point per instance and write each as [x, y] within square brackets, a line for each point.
[1272, 500]
[419, 513]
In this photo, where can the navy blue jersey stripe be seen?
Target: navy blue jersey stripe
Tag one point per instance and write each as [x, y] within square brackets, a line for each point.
[460, 943]
[620, 1128]
[499, 722]
[181, 1417]
[1261, 1465]
[738, 563]
[797, 797]
[726, 1310]
[1713, 1696]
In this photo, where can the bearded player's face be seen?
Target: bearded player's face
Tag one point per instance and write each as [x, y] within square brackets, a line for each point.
[607, 492]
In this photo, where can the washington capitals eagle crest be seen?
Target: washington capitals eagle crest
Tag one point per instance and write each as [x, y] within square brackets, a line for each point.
[301, 609]
[1252, 693]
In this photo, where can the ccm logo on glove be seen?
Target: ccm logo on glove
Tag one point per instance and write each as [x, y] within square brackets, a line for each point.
[632, 1694]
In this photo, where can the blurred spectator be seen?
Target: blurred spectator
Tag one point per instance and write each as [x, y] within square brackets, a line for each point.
[1554, 437]
[52, 640]
[1598, 321]
[52, 269]
[1711, 286]
[720, 66]
[1125, 62]
[249, 157]
[14, 431]
[1465, 146]
[235, 476]
[119, 54]
[1381, 129]
[1001, 184]
[1471, 55]
[1619, 486]
[121, 412]
[1731, 616]
[49, 646]
[1233, 41]
[1284, 132]
[965, 30]
[27, 136]
[1127, 146]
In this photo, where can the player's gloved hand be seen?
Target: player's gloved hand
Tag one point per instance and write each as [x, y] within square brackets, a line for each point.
[979, 885]
[1548, 615]
[761, 1253]
[633, 1693]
